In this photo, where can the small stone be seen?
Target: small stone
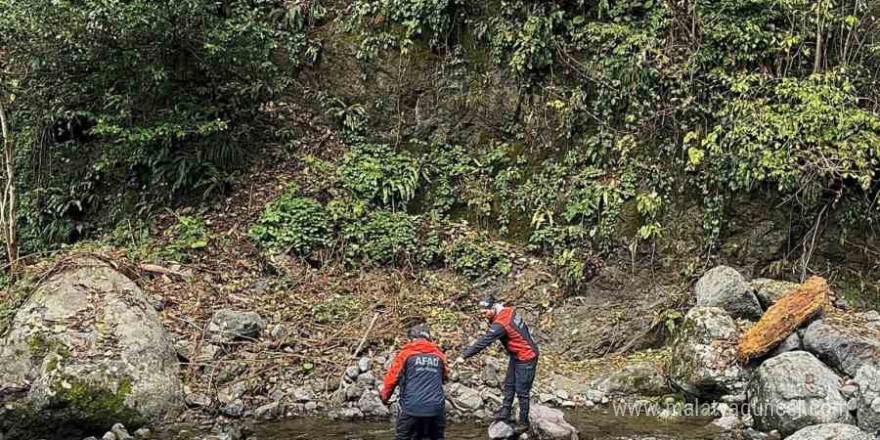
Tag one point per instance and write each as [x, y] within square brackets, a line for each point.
[310, 407]
[269, 411]
[303, 394]
[546, 397]
[726, 423]
[353, 392]
[367, 380]
[595, 396]
[364, 364]
[120, 432]
[346, 414]
[197, 400]
[232, 392]
[500, 431]
[352, 372]
[562, 394]
[849, 390]
[852, 405]
[109, 436]
[234, 409]
[142, 433]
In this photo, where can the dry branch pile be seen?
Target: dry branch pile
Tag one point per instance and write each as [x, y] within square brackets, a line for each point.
[784, 317]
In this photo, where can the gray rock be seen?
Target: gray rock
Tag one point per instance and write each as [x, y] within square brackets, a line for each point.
[769, 291]
[465, 398]
[595, 396]
[704, 354]
[546, 398]
[232, 391]
[644, 378]
[303, 394]
[844, 348]
[346, 414]
[234, 409]
[372, 406]
[197, 400]
[353, 392]
[364, 364]
[868, 412]
[725, 288]
[142, 433]
[500, 431]
[310, 407]
[727, 423]
[549, 424]
[109, 436]
[791, 343]
[849, 390]
[352, 372]
[795, 390]
[120, 432]
[831, 431]
[206, 353]
[269, 411]
[229, 325]
[367, 380]
[493, 372]
[91, 329]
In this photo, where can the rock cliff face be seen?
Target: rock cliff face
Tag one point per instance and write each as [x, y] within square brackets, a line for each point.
[87, 350]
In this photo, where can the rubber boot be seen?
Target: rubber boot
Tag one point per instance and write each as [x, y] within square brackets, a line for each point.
[503, 414]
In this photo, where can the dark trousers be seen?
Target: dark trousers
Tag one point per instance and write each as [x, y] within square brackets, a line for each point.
[518, 382]
[418, 428]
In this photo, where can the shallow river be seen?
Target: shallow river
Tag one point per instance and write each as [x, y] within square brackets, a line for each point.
[592, 425]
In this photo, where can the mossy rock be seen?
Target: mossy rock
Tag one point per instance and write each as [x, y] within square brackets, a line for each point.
[88, 351]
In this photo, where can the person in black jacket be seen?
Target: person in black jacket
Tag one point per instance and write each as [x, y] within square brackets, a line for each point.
[506, 325]
[420, 370]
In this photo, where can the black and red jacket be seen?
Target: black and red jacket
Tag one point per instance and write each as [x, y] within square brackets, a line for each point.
[420, 370]
[509, 327]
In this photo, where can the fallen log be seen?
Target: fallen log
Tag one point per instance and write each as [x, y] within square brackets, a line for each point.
[781, 319]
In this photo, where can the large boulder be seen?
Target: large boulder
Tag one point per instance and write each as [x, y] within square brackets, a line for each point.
[726, 288]
[795, 390]
[704, 355]
[846, 347]
[769, 291]
[549, 424]
[644, 378]
[831, 431]
[868, 413]
[87, 350]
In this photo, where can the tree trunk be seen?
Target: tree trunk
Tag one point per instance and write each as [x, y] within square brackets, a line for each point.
[7, 204]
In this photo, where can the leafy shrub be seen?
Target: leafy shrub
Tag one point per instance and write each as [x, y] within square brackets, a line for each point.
[383, 237]
[188, 235]
[477, 257]
[378, 173]
[339, 308]
[293, 223]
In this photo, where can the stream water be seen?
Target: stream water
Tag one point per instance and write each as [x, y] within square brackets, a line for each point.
[592, 425]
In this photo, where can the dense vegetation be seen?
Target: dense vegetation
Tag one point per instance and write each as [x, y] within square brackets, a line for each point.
[572, 127]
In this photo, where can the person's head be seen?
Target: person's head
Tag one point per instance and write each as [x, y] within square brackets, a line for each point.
[419, 331]
[488, 307]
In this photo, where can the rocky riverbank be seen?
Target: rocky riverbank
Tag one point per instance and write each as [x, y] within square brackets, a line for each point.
[87, 350]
